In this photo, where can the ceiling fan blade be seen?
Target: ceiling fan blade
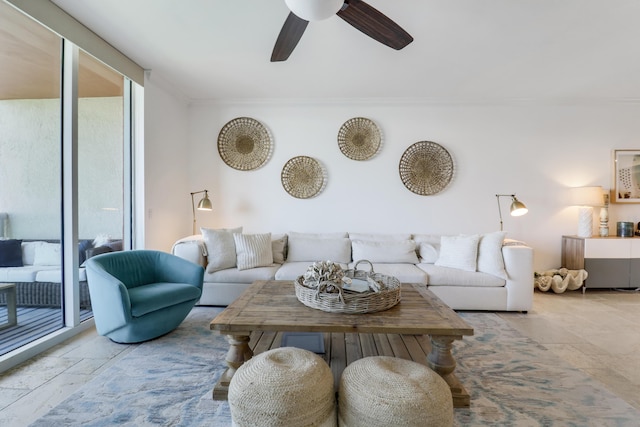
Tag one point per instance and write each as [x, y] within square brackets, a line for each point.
[374, 23]
[289, 37]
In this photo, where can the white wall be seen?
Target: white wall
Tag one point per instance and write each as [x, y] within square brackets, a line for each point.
[167, 203]
[533, 150]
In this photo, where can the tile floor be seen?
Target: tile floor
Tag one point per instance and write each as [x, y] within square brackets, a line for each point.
[596, 332]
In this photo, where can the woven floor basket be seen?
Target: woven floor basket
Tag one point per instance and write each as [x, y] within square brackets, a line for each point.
[352, 302]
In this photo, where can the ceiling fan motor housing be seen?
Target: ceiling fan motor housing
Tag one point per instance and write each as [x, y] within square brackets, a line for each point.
[314, 10]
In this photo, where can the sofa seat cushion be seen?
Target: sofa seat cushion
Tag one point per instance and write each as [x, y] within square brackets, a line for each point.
[55, 275]
[233, 275]
[405, 273]
[291, 270]
[26, 273]
[447, 276]
[155, 296]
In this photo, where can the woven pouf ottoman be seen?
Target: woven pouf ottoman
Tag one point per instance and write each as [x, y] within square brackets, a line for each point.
[285, 386]
[383, 391]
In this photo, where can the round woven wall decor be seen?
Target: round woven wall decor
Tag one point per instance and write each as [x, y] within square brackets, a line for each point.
[244, 144]
[426, 168]
[302, 177]
[359, 138]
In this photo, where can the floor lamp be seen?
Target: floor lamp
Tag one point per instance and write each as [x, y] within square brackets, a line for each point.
[517, 207]
[203, 205]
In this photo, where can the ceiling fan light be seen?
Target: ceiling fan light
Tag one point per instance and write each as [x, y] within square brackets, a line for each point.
[314, 10]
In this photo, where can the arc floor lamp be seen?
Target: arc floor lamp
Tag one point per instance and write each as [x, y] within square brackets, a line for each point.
[203, 205]
[517, 207]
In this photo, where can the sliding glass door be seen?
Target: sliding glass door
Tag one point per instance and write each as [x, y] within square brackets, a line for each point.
[30, 178]
[65, 180]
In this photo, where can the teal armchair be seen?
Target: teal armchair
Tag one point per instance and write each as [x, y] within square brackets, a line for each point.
[140, 295]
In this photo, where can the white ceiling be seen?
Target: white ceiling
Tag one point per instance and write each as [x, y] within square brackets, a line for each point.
[464, 50]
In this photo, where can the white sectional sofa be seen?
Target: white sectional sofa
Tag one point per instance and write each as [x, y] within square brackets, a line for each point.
[474, 272]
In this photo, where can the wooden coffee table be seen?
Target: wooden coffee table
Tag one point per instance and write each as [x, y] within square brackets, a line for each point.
[420, 328]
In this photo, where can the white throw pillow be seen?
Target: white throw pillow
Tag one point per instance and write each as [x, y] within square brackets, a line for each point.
[221, 248]
[490, 254]
[323, 249]
[390, 251]
[48, 254]
[459, 252]
[429, 252]
[253, 250]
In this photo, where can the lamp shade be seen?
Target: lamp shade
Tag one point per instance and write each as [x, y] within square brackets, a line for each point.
[518, 208]
[205, 203]
[314, 10]
[587, 196]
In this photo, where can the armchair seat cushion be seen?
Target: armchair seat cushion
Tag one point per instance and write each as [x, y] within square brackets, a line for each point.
[155, 296]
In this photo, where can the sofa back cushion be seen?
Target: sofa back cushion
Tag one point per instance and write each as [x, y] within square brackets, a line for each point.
[48, 254]
[379, 237]
[336, 249]
[11, 253]
[389, 251]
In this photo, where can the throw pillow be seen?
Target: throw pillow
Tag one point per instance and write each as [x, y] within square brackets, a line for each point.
[11, 253]
[221, 248]
[389, 251]
[323, 249]
[48, 254]
[490, 254]
[278, 247]
[459, 252]
[428, 246]
[253, 250]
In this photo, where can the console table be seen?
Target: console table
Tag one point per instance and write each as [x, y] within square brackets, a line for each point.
[612, 262]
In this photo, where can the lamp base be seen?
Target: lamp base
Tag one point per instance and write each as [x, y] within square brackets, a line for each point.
[585, 221]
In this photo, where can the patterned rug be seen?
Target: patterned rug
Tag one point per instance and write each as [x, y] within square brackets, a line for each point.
[513, 381]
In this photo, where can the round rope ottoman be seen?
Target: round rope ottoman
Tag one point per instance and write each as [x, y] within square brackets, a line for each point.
[285, 386]
[388, 391]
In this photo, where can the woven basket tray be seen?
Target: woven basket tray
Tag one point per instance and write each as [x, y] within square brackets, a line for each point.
[352, 302]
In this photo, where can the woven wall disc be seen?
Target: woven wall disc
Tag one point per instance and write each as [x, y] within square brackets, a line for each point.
[244, 144]
[426, 168]
[359, 138]
[302, 177]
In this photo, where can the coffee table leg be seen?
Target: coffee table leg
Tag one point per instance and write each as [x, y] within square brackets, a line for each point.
[441, 360]
[239, 352]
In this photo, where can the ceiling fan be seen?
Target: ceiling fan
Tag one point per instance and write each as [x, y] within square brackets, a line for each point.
[357, 13]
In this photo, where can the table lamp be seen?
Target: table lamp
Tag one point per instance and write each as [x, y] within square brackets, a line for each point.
[586, 198]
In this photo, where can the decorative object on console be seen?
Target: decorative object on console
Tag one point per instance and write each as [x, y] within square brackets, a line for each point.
[203, 205]
[359, 138]
[426, 168]
[626, 176]
[303, 177]
[604, 217]
[586, 198]
[560, 280]
[517, 207]
[624, 229]
[244, 144]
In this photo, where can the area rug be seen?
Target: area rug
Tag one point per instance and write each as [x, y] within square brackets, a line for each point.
[513, 381]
